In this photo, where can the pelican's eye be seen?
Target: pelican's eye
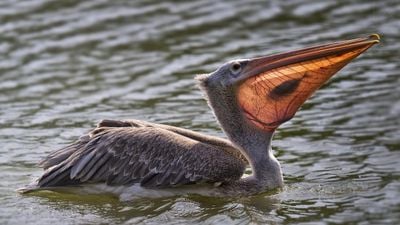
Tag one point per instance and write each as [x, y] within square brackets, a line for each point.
[235, 68]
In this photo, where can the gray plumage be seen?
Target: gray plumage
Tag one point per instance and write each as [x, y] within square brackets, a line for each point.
[154, 155]
[159, 156]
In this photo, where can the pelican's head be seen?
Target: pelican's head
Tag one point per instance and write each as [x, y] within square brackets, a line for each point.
[269, 90]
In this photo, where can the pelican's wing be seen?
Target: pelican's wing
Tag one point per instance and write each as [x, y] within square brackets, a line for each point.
[149, 155]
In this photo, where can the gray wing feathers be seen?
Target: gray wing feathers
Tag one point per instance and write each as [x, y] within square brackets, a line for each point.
[124, 153]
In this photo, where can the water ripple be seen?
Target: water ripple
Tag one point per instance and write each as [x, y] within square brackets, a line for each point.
[64, 65]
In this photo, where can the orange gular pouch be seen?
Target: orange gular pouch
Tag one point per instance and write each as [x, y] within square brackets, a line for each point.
[273, 96]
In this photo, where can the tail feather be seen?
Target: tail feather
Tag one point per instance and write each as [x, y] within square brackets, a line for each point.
[29, 188]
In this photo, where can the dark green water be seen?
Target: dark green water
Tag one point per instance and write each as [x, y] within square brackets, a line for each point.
[65, 65]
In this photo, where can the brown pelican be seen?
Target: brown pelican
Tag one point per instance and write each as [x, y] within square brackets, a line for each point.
[250, 99]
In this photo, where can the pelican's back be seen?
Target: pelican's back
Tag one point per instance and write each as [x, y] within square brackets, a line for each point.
[124, 153]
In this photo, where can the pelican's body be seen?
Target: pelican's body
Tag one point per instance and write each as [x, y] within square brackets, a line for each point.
[250, 98]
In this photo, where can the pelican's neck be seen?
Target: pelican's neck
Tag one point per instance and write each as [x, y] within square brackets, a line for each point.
[266, 170]
[259, 153]
[254, 143]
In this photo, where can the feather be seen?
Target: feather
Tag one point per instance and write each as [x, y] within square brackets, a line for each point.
[126, 152]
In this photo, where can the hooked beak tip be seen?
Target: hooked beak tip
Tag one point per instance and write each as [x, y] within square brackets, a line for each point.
[376, 37]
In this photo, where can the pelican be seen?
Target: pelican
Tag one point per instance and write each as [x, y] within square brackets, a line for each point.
[250, 99]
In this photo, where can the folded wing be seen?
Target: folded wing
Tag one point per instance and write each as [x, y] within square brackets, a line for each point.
[123, 153]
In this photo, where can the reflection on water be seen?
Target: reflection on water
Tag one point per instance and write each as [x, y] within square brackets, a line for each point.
[64, 65]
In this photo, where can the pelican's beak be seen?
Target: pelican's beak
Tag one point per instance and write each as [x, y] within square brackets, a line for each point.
[274, 87]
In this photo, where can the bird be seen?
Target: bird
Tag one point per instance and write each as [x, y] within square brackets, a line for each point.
[250, 99]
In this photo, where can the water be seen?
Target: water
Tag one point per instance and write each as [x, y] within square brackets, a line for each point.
[65, 65]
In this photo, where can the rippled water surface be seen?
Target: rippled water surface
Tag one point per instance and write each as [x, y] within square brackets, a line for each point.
[65, 65]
